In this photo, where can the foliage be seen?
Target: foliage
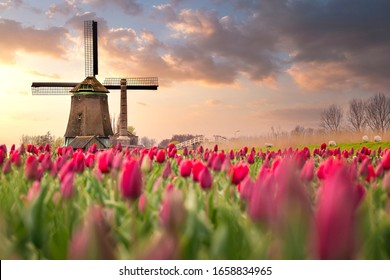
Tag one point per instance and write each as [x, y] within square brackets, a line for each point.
[324, 203]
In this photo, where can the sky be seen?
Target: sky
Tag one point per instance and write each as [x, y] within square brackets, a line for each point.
[225, 67]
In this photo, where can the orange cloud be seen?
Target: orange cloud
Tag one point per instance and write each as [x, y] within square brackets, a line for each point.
[317, 77]
[15, 37]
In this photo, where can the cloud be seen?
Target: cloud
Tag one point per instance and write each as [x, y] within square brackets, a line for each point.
[129, 7]
[345, 45]
[213, 102]
[29, 39]
[10, 4]
[64, 8]
[50, 76]
[321, 45]
[350, 38]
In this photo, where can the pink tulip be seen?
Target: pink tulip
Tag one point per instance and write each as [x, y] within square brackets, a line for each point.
[238, 172]
[386, 160]
[185, 168]
[67, 168]
[67, 188]
[217, 163]
[167, 170]
[245, 188]
[105, 161]
[172, 153]
[31, 168]
[7, 167]
[261, 201]
[336, 215]
[205, 178]
[90, 160]
[92, 149]
[16, 158]
[185, 151]
[3, 148]
[251, 158]
[173, 212]
[130, 179]
[197, 167]
[171, 146]
[79, 162]
[2, 157]
[307, 173]
[22, 149]
[160, 157]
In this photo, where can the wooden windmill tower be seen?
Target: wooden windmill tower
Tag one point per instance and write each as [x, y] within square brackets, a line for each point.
[89, 118]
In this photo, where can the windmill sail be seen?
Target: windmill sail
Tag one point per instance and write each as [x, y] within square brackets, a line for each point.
[142, 83]
[52, 88]
[91, 48]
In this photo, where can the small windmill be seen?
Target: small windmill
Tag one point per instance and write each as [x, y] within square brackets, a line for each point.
[89, 119]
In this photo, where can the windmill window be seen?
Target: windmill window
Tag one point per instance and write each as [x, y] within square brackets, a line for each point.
[79, 117]
[86, 87]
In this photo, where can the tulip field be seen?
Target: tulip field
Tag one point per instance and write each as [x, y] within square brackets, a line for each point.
[120, 203]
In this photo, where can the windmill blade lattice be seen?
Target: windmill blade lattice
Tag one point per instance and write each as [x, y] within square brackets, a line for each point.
[142, 83]
[52, 88]
[90, 48]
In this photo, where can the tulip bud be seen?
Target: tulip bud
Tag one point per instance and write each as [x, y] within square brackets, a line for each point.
[173, 212]
[31, 168]
[130, 179]
[7, 167]
[2, 157]
[105, 161]
[197, 167]
[185, 168]
[160, 157]
[167, 170]
[205, 178]
[67, 188]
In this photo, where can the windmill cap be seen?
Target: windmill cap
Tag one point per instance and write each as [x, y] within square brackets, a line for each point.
[89, 86]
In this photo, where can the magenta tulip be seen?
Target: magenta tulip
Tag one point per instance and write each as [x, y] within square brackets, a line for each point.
[67, 188]
[336, 215]
[31, 168]
[130, 179]
[205, 178]
[185, 168]
[160, 157]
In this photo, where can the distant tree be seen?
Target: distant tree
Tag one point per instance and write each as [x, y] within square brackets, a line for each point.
[182, 137]
[357, 114]
[148, 142]
[41, 140]
[298, 130]
[378, 112]
[331, 118]
[164, 143]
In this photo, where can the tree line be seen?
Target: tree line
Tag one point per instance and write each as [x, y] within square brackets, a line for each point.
[372, 113]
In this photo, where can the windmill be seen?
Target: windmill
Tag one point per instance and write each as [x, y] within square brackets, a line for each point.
[89, 118]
